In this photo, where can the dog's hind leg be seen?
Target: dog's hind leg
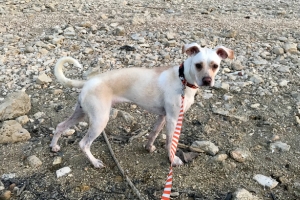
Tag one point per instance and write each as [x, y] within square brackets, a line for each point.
[76, 117]
[98, 118]
[158, 126]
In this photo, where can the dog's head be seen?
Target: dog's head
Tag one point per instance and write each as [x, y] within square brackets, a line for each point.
[204, 63]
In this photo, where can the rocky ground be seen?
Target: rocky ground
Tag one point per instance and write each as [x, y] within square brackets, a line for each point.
[248, 124]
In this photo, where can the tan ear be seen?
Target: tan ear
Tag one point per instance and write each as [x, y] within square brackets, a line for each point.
[191, 49]
[224, 52]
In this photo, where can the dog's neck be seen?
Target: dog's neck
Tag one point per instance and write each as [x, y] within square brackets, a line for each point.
[187, 72]
[181, 72]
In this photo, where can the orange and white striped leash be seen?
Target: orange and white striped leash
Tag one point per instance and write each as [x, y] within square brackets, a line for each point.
[175, 139]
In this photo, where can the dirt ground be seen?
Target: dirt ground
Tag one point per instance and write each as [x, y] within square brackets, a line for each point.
[258, 25]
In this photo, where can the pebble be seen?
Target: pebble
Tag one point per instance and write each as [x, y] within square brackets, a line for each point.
[240, 155]
[220, 157]
[57, 160]
[279, 145]
[34, 161]
[63, 171]
[256, 79]
[29, 49]
[43, 78]
[68, 132]
[8, 176]
[265, 181]
[207, 146]
[22, 119]
[290, 47]
[278, 51]
[5, 195]
[283, 83]
[243, 194]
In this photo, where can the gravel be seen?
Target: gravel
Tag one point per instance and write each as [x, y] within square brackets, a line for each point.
[256, 95]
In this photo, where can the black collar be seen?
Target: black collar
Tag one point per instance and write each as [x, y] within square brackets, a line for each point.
[182, 78]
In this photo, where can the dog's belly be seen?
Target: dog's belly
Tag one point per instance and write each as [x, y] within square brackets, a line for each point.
[158, 110]
[155, 109]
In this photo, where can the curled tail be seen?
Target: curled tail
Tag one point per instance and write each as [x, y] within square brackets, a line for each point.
[58, 71]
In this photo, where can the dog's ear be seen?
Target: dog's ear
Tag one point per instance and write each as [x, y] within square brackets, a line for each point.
[224, 52]
[191, 49]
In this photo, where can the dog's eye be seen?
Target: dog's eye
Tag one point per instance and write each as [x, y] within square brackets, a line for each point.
[215, 66]
[199, 66]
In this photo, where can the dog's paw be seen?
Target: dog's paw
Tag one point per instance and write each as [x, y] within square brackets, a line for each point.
[98, 163]
[151, 148]
[55, 148]
[177, 162]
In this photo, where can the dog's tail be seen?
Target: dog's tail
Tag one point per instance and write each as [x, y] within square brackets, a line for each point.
[58, 71]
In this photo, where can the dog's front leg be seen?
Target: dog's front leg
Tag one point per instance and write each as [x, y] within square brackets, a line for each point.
[171, 125]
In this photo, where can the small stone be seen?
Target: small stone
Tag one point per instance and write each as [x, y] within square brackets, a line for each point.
[240, 155]
[88, 51]
[220, 157]
[42, 79]
[283, 83]
[280, 145]
[174, 194]
[39, 115]
[274, 138]
[69, 32]
[22, 119]
[243, 194]
[57, 91]
[84, 188]
[57, 160]
[290, 47]
[63, 171]
[227, 97]
[170, 36]
[103, 16]
[284, 69]
[5, 195]
[171, 43]
[265, 181]
[256, 105]
[120, 31]
[83, 124]
[230, 34]
[29, 49]
[236, 65]
[256, 79]
[206, 146]
[68, 132]
[278, 51]
[34, 161]
[8, 176]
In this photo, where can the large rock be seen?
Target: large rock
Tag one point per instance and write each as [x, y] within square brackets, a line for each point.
[15, 105]
[11, 131]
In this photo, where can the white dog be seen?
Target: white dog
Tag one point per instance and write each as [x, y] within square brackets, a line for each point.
[157, 90]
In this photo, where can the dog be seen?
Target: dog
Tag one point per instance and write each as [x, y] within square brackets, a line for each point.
[157, 90]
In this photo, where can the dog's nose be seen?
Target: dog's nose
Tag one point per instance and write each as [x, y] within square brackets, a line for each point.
[206, 81]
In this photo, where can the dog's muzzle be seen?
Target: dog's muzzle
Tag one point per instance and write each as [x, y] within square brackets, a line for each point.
[206, 81]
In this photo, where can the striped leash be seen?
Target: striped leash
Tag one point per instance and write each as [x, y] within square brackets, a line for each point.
[168, 185]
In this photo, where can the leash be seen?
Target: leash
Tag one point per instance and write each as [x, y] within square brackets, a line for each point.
[176, 135]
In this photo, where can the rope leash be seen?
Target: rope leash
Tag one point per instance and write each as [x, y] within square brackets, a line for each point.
[175, 139]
